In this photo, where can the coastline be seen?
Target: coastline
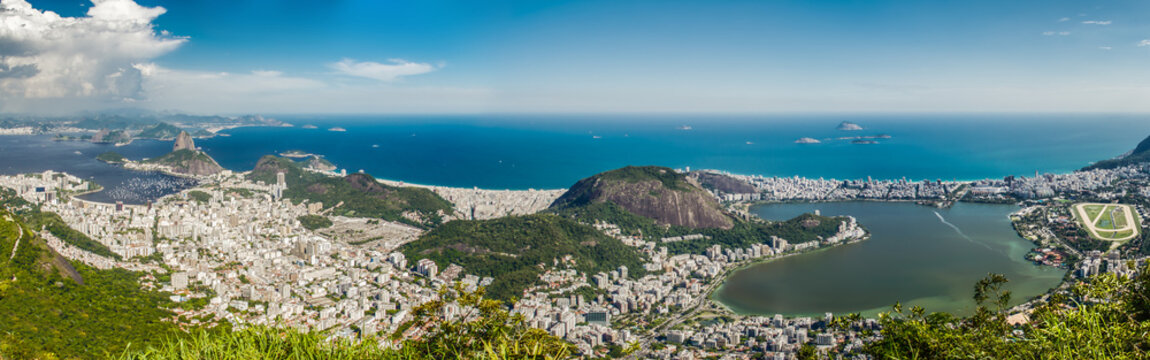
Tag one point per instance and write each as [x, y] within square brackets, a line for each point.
[722, 278]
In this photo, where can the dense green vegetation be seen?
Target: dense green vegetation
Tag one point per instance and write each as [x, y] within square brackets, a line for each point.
[493, 334]
[804, 228]
[1140, 154]
[356, 195]
[1107, 317]
[511, 249]
[313, 222]
[180, 158]
[160, 131]
[35, 219]
[111, 157]
[669, 177]
[55, 225]
[199, 196]
[50, 309]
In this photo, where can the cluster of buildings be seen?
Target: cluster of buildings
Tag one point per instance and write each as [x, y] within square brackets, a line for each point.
[481, 204]
[771, 337]
[799, 188]
[1097, 262]
[675, 285]
[243, 253]
[1041, 186]
[246, 254]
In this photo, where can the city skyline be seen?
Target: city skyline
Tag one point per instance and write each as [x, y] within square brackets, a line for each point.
[573, 57]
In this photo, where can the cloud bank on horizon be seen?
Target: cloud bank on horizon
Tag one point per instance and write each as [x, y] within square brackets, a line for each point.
[570, 56]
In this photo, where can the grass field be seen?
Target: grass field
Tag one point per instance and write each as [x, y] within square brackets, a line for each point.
[1121, 234]
[1119, 217]
[1092, 211]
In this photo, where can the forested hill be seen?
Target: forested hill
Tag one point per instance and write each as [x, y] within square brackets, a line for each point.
[657, 193]
[51, 308]
[516, 250]
[1140, 154]
[358, 195]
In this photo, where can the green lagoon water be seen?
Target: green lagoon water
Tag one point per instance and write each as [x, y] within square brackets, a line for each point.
[914, 256]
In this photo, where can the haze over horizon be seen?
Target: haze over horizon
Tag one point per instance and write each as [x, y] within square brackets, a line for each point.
[362, 57]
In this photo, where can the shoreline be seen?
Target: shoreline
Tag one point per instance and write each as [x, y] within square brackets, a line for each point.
[720, 305]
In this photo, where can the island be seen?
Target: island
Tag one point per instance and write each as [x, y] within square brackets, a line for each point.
[849, 126]
[807, 140]
[296, 154]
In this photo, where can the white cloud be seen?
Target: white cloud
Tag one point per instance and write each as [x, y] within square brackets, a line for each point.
[267, 73]
[1105, 48]
[1048, 33]
[1144, 42]
[1063, 33]
[1097, 22]
[392, 70]
[1065, 19]
[1052, 33]
[46, 56]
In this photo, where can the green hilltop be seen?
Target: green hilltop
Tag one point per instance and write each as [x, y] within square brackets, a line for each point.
[111, 157]
[355, 195]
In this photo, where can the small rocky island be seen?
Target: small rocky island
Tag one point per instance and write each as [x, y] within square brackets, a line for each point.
[807, 140]
[849, 126]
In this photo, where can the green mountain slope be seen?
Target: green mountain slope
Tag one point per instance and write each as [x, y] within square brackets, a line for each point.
[51, 308]
[358, 195]
[515, 250]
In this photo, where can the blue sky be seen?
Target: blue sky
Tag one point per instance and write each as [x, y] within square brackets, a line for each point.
[627, 56]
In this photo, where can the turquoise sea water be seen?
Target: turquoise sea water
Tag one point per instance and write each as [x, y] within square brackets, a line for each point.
[554, 151]
[521, 151]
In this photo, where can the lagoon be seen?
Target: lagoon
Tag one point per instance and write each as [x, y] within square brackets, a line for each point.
[917, 255]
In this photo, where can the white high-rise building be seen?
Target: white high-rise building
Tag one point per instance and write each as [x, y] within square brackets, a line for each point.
[281, 185]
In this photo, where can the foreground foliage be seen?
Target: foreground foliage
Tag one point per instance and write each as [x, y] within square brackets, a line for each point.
[1107, 317]
[485, 330]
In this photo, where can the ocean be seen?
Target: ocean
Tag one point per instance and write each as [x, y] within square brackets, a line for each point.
[522, 151]
[555, 151]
